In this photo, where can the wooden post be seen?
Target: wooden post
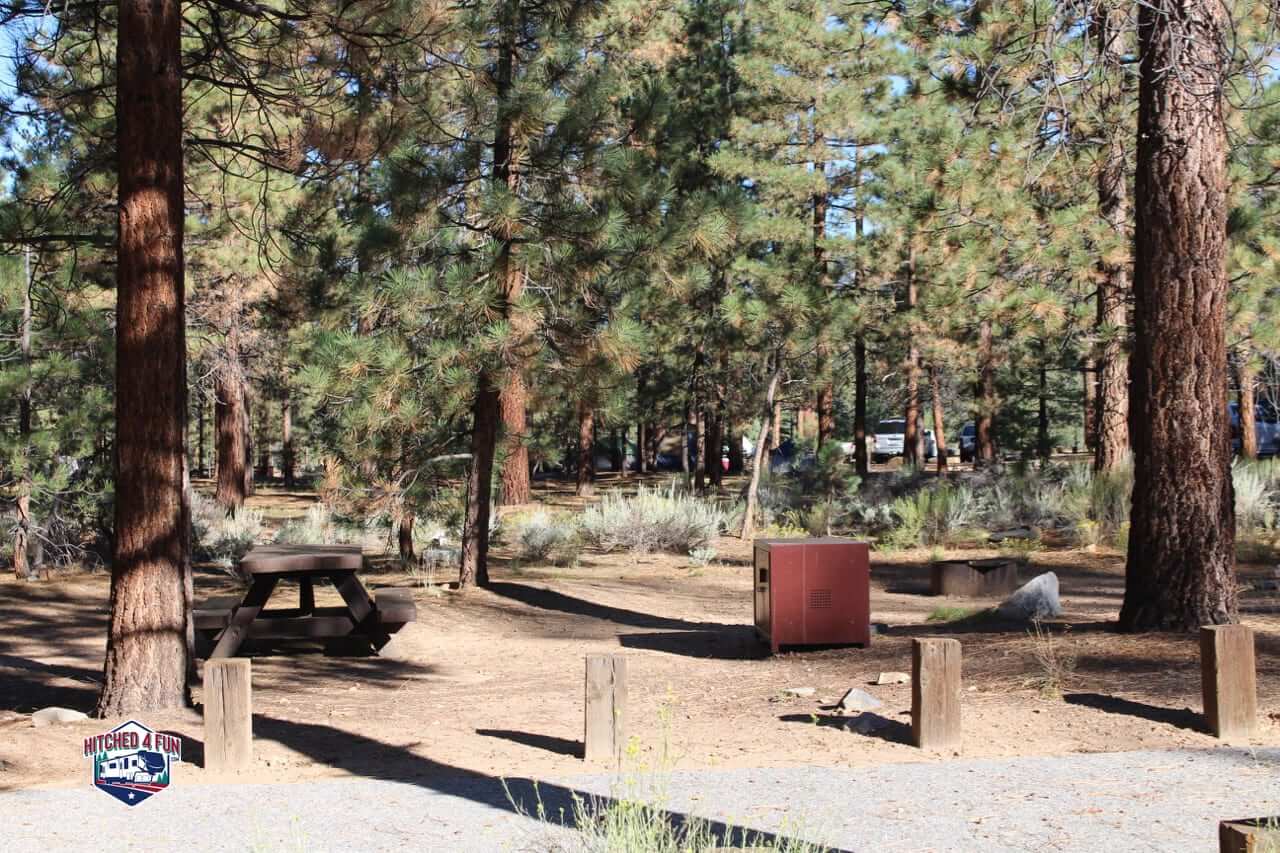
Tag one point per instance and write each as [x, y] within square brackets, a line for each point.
[606, 707]
[1255, 835]
[228, 715]
[1229, 680]
[935, 693]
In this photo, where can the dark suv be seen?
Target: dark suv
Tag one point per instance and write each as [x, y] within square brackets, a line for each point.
[968, 442]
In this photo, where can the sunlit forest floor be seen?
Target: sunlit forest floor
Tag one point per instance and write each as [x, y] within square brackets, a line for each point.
[491, 682]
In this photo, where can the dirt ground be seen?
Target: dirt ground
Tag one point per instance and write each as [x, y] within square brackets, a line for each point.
[491, 682]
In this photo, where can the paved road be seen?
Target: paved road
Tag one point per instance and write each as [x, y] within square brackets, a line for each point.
[1137, 801]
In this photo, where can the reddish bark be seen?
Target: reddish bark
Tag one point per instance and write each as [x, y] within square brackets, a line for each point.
[475, 528]
[586, 451]
[1112, 431]
[939, 430]
[1180, 572]
[231, 440]
[984, 422]
[146, 662]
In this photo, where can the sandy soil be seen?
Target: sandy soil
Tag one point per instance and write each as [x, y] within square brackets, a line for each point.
[491, 682]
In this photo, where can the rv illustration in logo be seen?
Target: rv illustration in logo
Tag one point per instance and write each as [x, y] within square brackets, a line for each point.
[131, 762]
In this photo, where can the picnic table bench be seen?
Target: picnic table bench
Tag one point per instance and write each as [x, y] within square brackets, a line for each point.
[232, 620]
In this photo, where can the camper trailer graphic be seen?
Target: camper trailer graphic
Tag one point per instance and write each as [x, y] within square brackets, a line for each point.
[131, 762]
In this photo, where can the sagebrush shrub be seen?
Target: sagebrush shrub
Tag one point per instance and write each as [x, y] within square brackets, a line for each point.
[540, 534]
[219, 538]
[651, 520]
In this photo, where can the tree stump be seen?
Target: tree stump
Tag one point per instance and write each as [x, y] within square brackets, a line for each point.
[935, 694]
[228, 715]
[605, 708]
[1229, 680]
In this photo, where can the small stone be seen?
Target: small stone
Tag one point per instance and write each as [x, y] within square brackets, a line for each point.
[1036, 599]
[801, 692]
[879, 628]
[856, 701]
[893, 678]
[55, 716]
[865, 724]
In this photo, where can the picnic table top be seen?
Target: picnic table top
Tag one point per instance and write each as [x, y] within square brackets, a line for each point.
[285, 559]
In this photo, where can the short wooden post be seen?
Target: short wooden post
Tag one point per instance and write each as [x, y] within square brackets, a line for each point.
[606, 707]
[935, 693]
[228, 715]
[1229, 680]
[1254, 835]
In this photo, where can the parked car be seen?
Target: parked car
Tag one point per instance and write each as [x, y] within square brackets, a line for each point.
[1266, 428]
[968, 442]
[890, 433]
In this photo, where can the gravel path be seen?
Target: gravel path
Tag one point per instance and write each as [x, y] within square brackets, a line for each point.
[1137, 801]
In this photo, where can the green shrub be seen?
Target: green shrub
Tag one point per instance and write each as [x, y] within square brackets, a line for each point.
[651, 521]
[931, 515]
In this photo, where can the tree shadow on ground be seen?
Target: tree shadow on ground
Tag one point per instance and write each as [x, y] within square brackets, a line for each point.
[882, 727]
[558, 745]
[729, 642]
[27, 685]
[371, 759]
[1183, 718]
[546, 599]
[987, 622]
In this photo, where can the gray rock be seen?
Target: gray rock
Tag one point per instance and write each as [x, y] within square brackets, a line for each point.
[893, 678]
[1036, 599]
[856, 700]
[801, 692]
[55, 716]
[865, 724]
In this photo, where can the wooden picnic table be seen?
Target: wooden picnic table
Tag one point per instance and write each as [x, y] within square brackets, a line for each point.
[374, 617]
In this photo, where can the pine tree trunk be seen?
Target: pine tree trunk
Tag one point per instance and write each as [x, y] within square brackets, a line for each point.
[761, 455]
[264, 447]
[230, 445]
[485, 413]
[22, 531]
[912, 440]
[737, 462]
[1180, 572]
[200, 454]
[586, 451]
[985, 451]
[1246, 403]
[715, 440]
[861, 458]
[826, 406]
[487, 406]
[1112, 442]
[286, 441]
[516, 486]
[625, 466]
[700, 444]
[247, 431]
[405, 538]
[1043, 441]
[775, 439]
[642, 447]
[1090, 407]
[939, 428]
[147, 656]
[684, 444]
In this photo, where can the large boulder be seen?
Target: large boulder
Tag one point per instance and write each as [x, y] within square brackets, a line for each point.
[1036, 599]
